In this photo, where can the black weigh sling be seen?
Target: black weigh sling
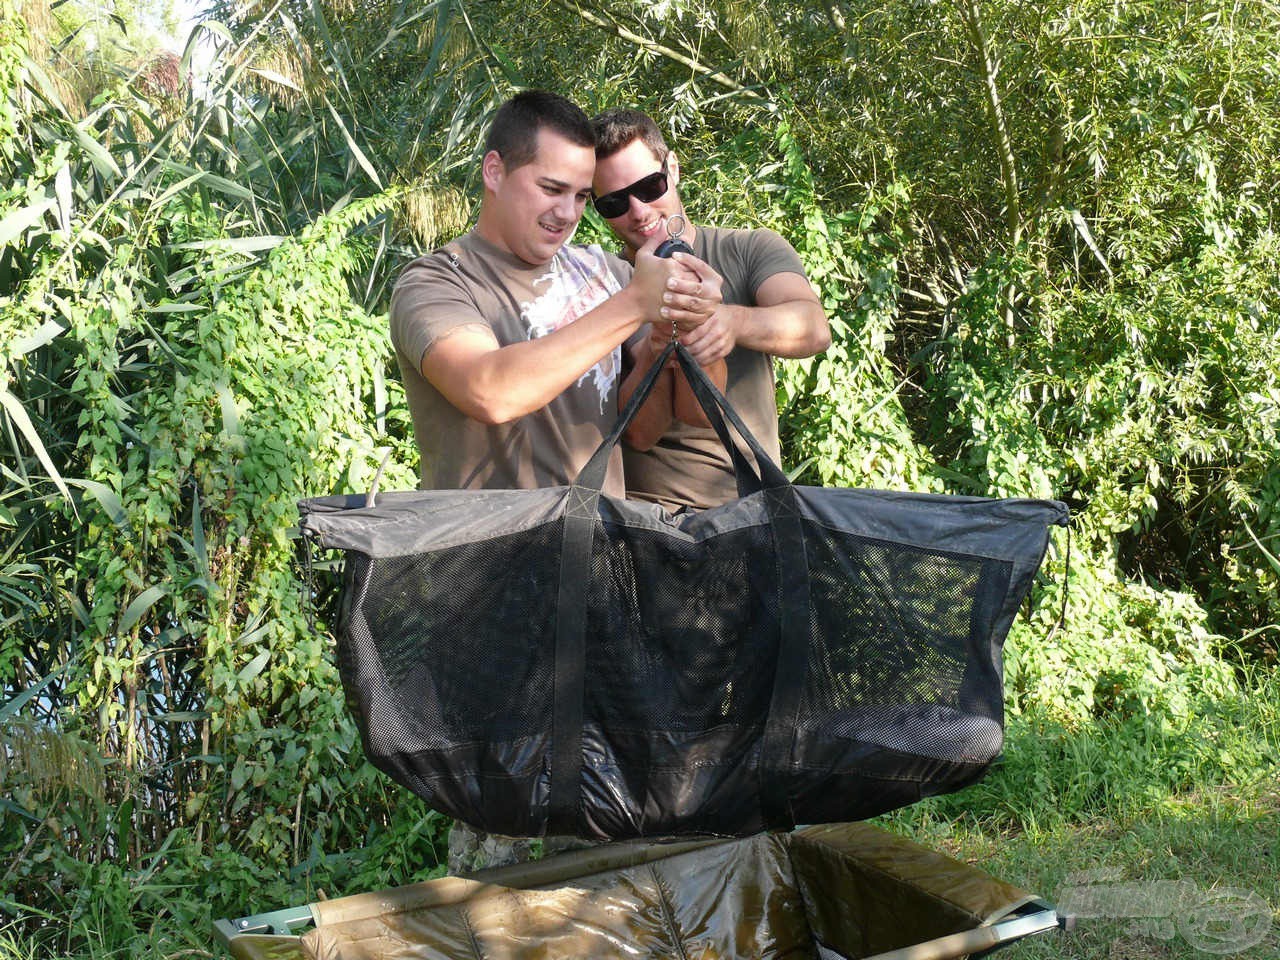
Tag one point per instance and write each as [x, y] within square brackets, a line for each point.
[557, 661]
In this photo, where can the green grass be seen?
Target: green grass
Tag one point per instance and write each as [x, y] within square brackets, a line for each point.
[1140, 799]
[1213, 840]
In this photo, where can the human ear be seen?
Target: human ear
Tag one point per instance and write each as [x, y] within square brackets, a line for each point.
[493, 169]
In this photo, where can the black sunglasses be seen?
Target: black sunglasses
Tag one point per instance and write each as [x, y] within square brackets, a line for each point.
[646, 190]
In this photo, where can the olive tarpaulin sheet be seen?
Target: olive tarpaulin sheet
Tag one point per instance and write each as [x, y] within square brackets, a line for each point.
[557, 661]
[834, 892]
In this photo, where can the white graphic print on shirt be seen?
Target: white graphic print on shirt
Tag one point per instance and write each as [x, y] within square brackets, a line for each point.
[578, 280]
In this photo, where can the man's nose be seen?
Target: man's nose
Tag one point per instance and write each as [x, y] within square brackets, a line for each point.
[638, 208]
[567, 207]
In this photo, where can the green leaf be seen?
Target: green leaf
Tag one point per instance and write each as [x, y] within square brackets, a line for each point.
[509, 70]
[1082, 227]
[11, 708]
[19, 416]
[183, 716]
[107, 498]
[62, 188]
[197, 535]
[230, 419]
[48, 331]
[241, 244]
[1272, 559]
[79, 611]
[178, 308]
[254, 667]
[98, 155]
[140, 605]
[239, 774]
[274, 77]
[229, 187]
[211, 26]
[16, 223]
[355, 149]
[178, 187]
[19, 810]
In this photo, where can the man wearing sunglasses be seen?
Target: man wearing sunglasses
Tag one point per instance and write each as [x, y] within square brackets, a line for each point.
[769, 310]
[508, 338]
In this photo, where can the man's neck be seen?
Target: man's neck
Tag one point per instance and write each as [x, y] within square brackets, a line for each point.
[488, 230]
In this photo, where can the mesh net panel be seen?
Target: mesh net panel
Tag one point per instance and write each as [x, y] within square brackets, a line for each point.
[679, 647]
[440, 627]
[893, 624]
[448, 660]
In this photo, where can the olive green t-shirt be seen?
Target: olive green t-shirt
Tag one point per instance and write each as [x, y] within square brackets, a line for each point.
[471, 282]
[689, 465]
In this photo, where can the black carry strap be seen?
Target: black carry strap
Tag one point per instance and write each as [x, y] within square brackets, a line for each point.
[580, 519]
[744, 474]
[794, 621]
[792, 577]
[593, 474]
[748, 480]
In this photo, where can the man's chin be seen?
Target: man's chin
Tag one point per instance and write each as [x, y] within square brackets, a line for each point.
[537, 255]
[543, 250]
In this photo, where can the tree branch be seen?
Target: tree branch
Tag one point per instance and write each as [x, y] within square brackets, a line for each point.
[716, 76]
[989, 67]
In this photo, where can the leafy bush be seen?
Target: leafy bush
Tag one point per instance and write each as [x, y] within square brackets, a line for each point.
[190, 378]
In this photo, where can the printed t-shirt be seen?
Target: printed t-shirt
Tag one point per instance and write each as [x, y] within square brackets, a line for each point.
[471, 282]
[689, 465]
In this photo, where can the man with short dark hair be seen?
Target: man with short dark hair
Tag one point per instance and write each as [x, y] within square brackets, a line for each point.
[508, 338]
[769, 310]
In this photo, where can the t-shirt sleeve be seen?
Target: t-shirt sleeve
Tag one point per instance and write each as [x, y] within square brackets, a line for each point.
[620, 269]
[769, 254]
[429, 300]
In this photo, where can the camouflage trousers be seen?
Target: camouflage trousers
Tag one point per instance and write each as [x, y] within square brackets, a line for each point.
[471, 850]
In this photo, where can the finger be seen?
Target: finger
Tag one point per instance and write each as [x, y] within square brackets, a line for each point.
[708, 342]
[681, 302]
[700, 267]
[689, 304]
[688, 285]
[696, 333]
[685, 319]
[702, 351]
[650, 245]
[686, 288]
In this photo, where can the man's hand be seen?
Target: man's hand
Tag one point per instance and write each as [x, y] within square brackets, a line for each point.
[693, 296]
[712, 340]
[680, 289]
[690, 301]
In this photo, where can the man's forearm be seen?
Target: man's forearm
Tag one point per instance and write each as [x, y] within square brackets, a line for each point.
[496, 384]
[501, 384]
[654, 417]
[792, 328]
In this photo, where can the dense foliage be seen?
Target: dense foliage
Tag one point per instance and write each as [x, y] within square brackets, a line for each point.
[1044, 236]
